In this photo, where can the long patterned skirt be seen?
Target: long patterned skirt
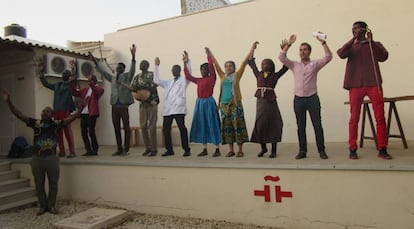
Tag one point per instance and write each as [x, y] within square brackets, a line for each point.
[233, 124]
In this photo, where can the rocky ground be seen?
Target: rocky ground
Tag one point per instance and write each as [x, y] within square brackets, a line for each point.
[25, 218]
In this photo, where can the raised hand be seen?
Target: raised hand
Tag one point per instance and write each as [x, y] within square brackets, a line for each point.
[6, 95]
[254, 45]
[284, 44]
[208, 52]
[40, 64]
[133, 50]
[369, 34]
[185, 56]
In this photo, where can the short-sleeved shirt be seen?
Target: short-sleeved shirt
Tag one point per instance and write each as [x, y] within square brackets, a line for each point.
[45, 136]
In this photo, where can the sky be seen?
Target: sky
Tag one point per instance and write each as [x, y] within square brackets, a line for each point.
[55, 22]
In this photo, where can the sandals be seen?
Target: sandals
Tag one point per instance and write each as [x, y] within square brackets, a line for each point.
[240, 154]
[230, 154]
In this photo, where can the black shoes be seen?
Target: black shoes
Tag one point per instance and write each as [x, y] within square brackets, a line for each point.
[323, 155]
[53, 211]
[272, 155]
[301, 155]
[87, 154]
[187, 153]
[261, 153]
[41, 212]
[353, 154]
[118, 152]
[44, 210]
[217, 153]
[384, 154]
[203, 153]
[168, 153]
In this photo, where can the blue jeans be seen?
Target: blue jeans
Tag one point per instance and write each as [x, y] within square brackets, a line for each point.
[313, 105]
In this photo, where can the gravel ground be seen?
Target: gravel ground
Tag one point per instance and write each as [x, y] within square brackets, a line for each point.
[25, 218]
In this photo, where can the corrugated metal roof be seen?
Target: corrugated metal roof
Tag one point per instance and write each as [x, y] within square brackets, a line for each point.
[24, 42]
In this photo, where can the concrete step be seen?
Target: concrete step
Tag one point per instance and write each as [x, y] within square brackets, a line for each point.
[4, 165]
[13, 184]
[17, 195]
[9, 175]
[29, 202]
[93, 218]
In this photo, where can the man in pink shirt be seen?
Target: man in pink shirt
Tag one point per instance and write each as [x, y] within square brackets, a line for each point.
[306, 98]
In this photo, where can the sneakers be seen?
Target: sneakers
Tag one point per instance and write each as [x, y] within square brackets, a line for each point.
[146, 153]
[203, 153]
[125, 153]
[152, 153]
[384, 154]
[353, 154]
[300, 155]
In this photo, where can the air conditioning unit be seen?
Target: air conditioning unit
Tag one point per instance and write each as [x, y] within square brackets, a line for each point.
[84, 68]
[56, 64]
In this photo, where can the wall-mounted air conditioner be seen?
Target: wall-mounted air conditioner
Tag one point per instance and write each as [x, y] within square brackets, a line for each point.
[84, 68]
[56, 64]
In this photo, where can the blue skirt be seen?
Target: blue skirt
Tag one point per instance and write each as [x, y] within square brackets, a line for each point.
[205, 127]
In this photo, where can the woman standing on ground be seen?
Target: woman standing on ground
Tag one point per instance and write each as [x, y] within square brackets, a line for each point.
[233, 124]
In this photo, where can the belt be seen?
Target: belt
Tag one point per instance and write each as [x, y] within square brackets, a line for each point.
[263, 89]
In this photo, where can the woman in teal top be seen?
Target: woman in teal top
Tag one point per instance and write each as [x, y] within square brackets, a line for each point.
[233, 124]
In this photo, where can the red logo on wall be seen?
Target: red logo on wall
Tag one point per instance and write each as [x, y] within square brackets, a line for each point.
[279, 194]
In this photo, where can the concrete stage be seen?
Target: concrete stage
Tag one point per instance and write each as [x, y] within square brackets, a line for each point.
[284, 192]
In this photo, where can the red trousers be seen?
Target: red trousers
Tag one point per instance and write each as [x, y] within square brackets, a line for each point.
[356, 97]
[61, 115]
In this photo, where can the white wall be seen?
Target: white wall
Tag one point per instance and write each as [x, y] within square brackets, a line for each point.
[332, 199]
[230, 31]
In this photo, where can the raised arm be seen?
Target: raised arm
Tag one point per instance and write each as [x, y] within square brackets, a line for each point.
[13, 109]
[187, 68]
[210, 63]
[285, 45]
[157, 71]
[220, 71]
[326, 49]
[106, 75]
[251, 59]
[44, 81]
[131, 72]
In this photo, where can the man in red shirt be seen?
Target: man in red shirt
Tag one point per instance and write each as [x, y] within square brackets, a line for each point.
[363, 78]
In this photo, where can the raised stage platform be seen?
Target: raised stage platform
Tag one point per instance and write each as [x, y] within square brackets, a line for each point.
[309, 193]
